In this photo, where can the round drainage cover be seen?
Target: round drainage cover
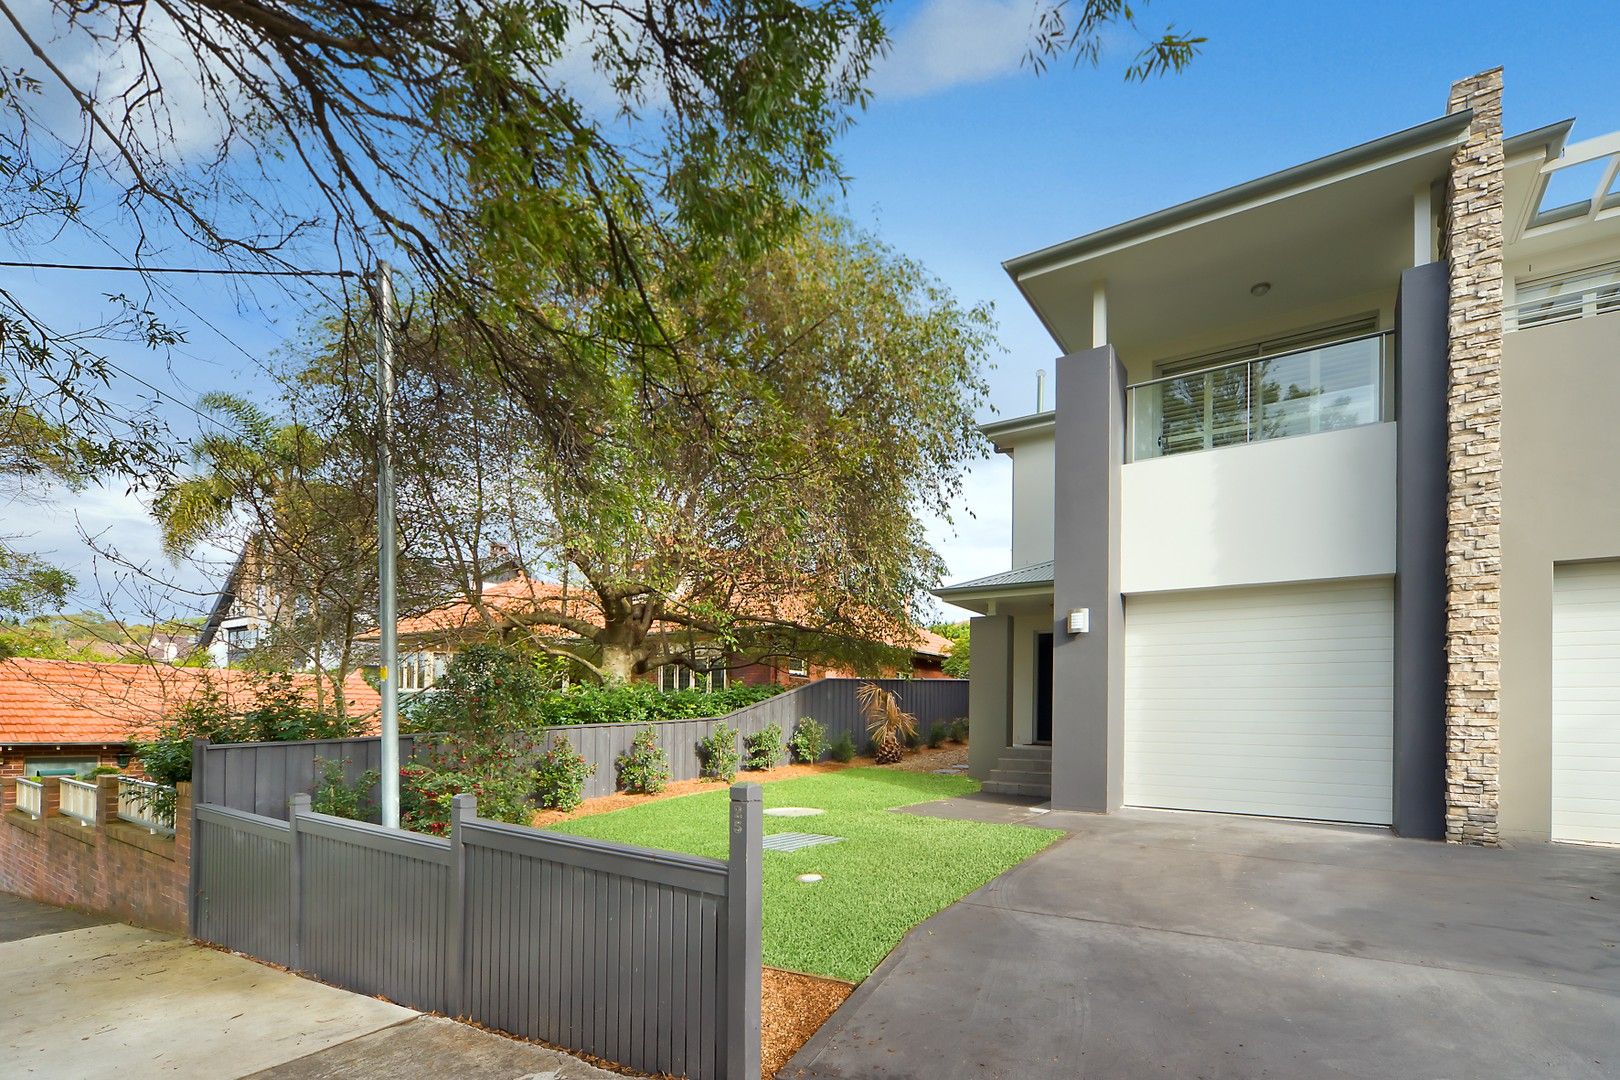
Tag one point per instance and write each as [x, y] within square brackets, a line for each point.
[793, 811]
[808, 879]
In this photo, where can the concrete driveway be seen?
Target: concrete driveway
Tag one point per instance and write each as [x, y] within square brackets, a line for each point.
[1157, 944]
[87, 998]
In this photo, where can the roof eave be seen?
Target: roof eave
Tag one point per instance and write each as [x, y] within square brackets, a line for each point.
[1000, 430]
[1549, 139]
[1394, 146]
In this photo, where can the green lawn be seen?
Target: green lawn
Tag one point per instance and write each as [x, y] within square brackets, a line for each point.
[891, 872]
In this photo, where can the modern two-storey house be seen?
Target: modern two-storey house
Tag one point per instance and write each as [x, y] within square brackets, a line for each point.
[1325, 522]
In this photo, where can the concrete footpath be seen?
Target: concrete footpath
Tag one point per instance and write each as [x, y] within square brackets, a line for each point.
[89, 998]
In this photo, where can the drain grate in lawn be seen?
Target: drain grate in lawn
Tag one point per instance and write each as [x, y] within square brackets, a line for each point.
[793, 841]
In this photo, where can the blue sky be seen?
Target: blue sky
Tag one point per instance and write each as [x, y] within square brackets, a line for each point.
[967, 158]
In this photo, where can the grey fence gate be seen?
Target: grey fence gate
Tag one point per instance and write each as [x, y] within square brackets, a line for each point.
[648, 958]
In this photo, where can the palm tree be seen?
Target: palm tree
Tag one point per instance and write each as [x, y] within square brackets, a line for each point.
[306, 531]
[889, 726]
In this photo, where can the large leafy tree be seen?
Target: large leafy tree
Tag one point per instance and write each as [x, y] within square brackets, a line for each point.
[756, 480]
[568, 181]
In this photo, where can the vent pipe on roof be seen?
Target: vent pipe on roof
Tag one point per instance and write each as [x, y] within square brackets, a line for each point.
[1040, 390]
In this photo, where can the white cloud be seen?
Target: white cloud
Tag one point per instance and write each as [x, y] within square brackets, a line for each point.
[105, 537]
[953, 43]
[184, 120]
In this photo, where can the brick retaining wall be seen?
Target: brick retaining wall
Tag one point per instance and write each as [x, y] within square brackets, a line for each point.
[112, 868]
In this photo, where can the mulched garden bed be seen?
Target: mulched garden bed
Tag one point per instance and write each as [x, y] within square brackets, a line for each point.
[793, 1008]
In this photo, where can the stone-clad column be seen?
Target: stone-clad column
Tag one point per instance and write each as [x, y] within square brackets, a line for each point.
[1472, 243]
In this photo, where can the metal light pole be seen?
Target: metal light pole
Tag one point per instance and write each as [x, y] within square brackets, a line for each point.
[386, 578]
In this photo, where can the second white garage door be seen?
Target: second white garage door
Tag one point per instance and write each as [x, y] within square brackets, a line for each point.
[1274, 701]
[1586, 703]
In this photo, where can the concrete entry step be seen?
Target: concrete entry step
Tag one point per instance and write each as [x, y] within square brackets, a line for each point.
[1021, 770]
[1025, 764]
[1021, 776]
[998, 787]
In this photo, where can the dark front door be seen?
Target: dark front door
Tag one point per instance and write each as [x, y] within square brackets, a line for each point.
[1043, 688]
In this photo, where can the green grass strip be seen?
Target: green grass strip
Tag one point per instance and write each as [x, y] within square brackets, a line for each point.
[891, 872]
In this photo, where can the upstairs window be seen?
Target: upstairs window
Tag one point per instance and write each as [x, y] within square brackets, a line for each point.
[1577, 294]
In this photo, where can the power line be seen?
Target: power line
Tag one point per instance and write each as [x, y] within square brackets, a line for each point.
[206, 270]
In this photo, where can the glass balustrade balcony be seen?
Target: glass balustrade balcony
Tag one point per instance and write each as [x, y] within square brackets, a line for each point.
[1324, 388]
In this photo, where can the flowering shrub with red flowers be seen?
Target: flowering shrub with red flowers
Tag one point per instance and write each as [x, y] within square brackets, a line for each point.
[498, 777]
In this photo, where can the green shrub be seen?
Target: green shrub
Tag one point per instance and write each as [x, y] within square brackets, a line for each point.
[495, 775]
[809, 741]
[560, 776]
[335, 795]
[764, 748]
[103, 770]
[642, 703]
[959, 730]
[281, 713]
[937, 734]
[644, 768]
[842, 749]
[717, 754]
[487, 692]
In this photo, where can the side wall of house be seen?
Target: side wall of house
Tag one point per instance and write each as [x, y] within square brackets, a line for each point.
[1560, 478]
[111, 868]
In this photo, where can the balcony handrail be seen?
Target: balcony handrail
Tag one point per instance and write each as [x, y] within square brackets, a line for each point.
[1245, 361]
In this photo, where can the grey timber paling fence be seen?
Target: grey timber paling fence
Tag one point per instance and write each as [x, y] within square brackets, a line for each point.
[648, 958]
[261, 778]
[831, 701]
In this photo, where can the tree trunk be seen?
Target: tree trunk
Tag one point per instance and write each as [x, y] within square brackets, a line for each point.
[618, 662]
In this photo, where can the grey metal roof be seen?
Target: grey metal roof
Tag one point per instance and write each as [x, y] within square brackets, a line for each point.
[1448, 126]
[1017, 425]
[1034, 574]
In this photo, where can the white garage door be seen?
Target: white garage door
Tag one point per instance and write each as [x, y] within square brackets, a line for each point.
[1586, 703]
[1274, 701]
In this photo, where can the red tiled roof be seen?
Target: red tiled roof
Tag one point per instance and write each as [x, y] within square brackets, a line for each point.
[63, 702]
[508, 601]
[511, 602]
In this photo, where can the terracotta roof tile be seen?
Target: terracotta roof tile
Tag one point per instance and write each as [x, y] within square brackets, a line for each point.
[511, 601]
[63, 702]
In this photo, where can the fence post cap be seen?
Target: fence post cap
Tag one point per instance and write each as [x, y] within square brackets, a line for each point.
[300, 802]
[465, 804]
[750, 792]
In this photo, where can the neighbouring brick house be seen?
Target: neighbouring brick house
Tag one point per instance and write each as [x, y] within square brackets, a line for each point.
[62, 718]
[65, 717]
[427, 641]
[1323, 522]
